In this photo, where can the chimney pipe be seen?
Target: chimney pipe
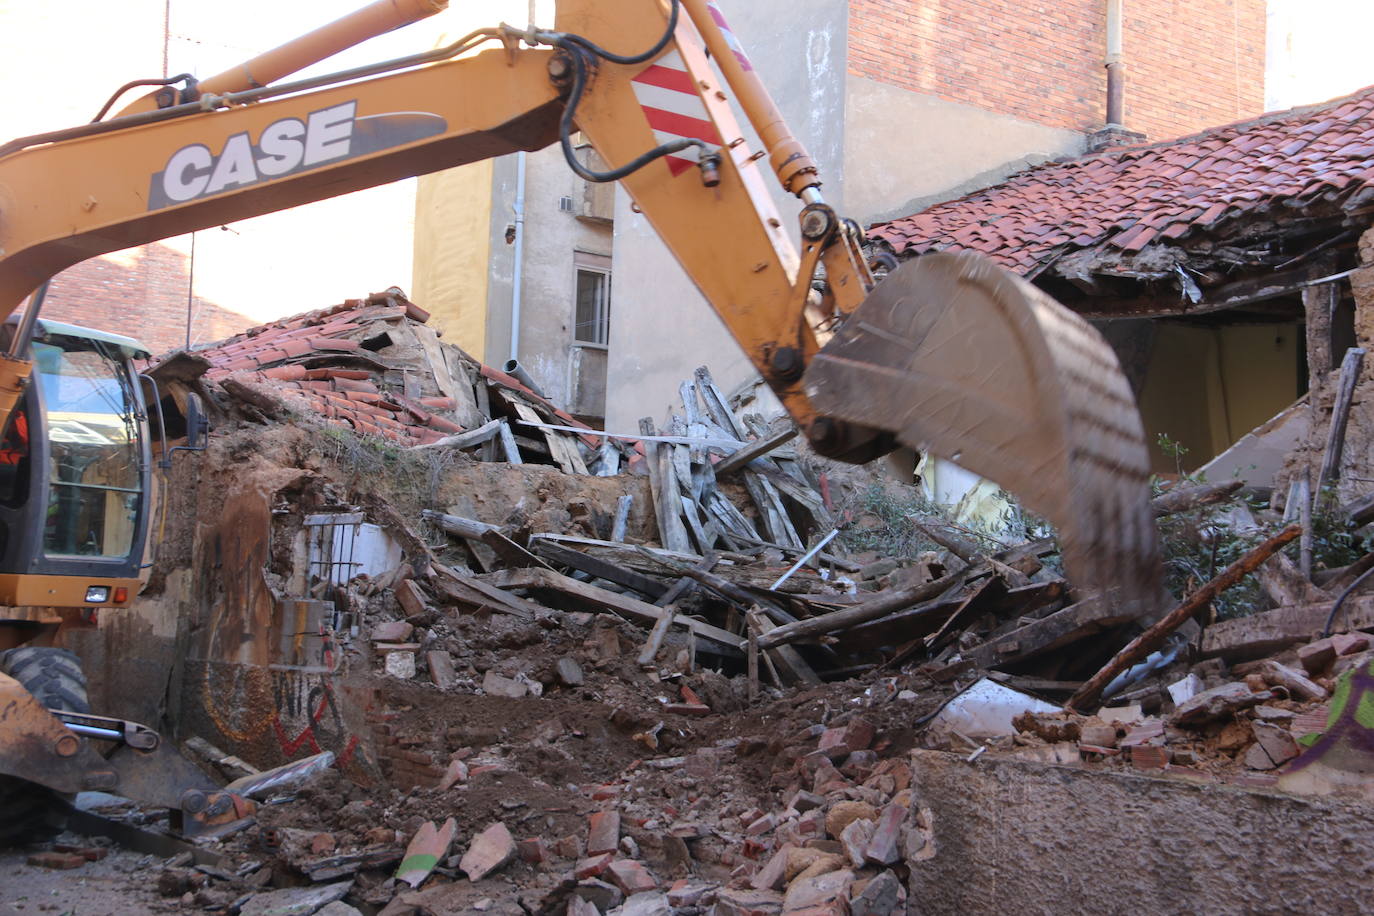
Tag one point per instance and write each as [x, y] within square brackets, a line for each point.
[1116, 75]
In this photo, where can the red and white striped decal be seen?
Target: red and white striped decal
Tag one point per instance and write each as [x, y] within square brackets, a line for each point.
[669, 98]
[729, 34]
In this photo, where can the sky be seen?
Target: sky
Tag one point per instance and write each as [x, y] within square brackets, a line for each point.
[1318, 50]
[75, 53]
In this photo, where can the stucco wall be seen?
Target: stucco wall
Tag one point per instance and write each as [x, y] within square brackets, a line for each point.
[452, 252]
[1206, 387]
[905, 151]
[552, 237]
[662, 327]
[1013, 837]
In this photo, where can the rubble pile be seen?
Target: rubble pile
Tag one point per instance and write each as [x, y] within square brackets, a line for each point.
[642, 674]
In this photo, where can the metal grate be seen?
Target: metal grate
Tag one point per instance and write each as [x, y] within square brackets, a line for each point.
[333, 538]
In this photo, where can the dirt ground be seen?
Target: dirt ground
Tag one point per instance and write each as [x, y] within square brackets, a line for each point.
[121, 884]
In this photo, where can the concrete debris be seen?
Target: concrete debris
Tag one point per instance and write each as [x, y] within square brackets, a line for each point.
[295, 901]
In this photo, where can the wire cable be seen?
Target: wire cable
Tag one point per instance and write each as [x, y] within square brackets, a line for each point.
[187, 78]
[583, 53]
[1349, 590]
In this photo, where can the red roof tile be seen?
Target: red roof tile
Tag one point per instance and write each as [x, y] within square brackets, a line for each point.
[1133, 197]
[347, 396]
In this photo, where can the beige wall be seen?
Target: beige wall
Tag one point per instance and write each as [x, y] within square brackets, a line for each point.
[1207, 387]
[904, 152]
[453, 253]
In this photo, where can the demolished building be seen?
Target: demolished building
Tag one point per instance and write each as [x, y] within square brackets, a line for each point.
[563, 671]
[1228, 268]
[662, 686]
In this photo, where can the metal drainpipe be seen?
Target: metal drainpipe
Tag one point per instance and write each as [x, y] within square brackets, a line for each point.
[517, 275]
[518, 271]
[1116, 83]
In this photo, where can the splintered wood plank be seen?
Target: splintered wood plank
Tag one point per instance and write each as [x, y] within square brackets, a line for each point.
[1062, 628]
[479, 595]
[468, 411]
[756, 449]
[563, 453]
[508, 446]
[543, 579]
[785, 657]
[602, 569]
[671, 532]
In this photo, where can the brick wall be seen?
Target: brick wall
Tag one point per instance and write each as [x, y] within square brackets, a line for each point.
[1190, 64]
[140, 293]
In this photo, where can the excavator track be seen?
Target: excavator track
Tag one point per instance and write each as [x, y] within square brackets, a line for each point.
[956, 356]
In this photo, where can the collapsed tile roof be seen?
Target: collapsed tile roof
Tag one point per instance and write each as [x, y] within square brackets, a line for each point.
[370, 365]
[1123, 199]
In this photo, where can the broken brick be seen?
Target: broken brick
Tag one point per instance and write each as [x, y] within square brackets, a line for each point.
[1350, 643]
[1149, 757]
[884, 847]
[568, 847]
[56, 860]
[752, 848]
[411, 599]
[533, 851]
[1274, 746]
[689, 892]
[631, 877]
[490, 850]
[748, 902]
[770, 877]
[1315, 657]
[761, 825]
[603, 832]
[592, 866]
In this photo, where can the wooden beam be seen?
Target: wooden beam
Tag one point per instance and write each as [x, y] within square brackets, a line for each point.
[756, 449]
[1340, 415]
[543, 579]
[483, 533]
[785, 657]
[478, 594]
[880, 605]
[1232, 295]
[602, 569]
[1263, 634]
[1062, 628]
[484, 433]
[1183, 499]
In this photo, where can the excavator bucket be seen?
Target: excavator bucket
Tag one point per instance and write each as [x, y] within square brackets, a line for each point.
[956, 356]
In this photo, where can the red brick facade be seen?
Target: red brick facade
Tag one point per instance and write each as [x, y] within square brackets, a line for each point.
[140, 293]
[1190, 64]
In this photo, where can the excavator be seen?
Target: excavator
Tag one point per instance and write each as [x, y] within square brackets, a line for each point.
[947, 353]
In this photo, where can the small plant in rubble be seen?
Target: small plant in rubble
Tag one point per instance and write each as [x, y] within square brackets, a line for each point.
[887, 514]
[1199, 543]
[411, 478]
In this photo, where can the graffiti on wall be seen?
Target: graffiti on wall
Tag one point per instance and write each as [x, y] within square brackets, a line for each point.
[1339, 759]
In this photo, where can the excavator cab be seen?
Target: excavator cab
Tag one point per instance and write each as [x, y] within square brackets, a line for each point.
[75, 473]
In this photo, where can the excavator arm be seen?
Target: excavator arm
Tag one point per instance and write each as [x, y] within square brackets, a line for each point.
[948, 354]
